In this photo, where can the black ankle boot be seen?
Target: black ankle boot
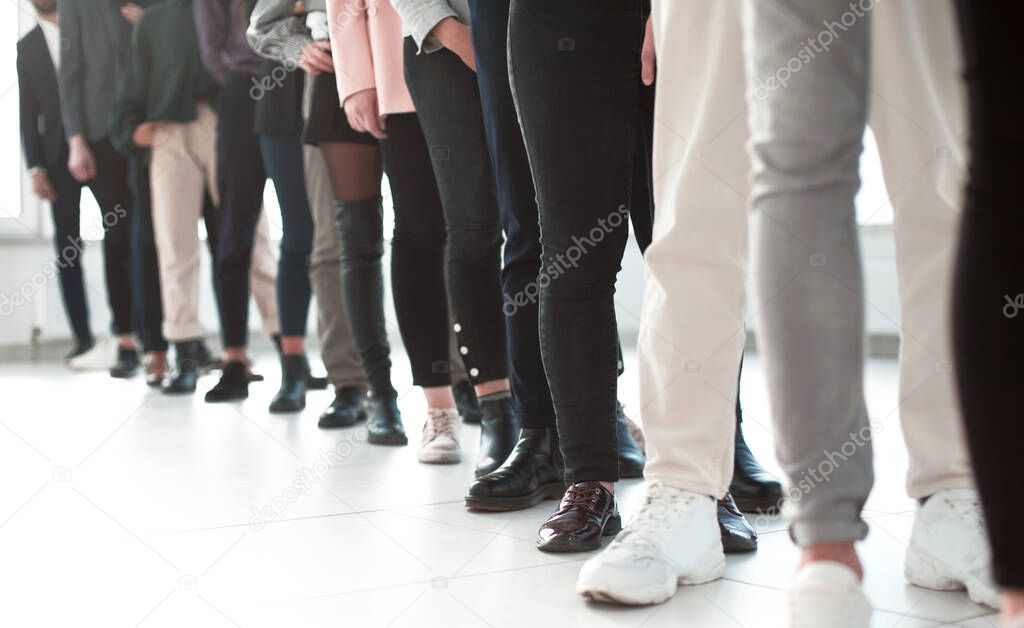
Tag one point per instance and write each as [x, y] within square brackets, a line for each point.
[529, 475]
[737, 533]
[384, 420]
[233, 384]
[127, 364]
[499, 427]
[291, 397]
[313, 382]
[755, 489]
[466, 402]
[187, 357]
[631, 457]
[347, 409]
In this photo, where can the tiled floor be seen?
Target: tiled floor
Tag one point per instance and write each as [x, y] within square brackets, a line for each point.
[121, 507]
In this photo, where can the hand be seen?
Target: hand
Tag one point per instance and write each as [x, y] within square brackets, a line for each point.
[131, 12]
[457, 37]
[364, 114]
[41, 186]
[648, 63]
[315, 58]
[145, 133]
[300, 8]
[80, 160]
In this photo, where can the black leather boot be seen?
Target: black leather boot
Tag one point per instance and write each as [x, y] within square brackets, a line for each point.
[384, 421]
[737, 533]
[127, 364]
[529, 475]
[631, 457]
[291, 397]
[499, 427]
[467, 402]
[754, 489]
[233, 384]
[186, 368]
[347, 409]
[313, 382]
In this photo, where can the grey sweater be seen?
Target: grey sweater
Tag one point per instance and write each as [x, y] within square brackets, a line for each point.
[277, 33]
[419, 17]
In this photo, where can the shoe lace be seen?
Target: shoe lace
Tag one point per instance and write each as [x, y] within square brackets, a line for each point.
[440, 423]
[662, 508]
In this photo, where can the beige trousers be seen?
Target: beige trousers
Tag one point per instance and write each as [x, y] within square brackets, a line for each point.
[694, 311]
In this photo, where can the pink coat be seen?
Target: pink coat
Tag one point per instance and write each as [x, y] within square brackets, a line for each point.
[366, 43]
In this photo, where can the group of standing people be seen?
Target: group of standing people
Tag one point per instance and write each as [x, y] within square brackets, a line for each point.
[521, 139]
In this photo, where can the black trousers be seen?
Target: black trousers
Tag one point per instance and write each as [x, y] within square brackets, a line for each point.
[988, 301]
[575, 73]
[146, 276]
[447, 101]
[110, 188]
[240, 180]
[67, 239]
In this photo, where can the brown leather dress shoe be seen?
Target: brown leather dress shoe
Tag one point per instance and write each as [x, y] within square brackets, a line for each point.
[586, 514]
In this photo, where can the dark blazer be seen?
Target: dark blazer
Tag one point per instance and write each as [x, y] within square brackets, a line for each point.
[42, 131]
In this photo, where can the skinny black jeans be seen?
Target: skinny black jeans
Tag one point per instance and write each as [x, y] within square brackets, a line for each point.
[447, 101]
[988, 298]
[575, 74]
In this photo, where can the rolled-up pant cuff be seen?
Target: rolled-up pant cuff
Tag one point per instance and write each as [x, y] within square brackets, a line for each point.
[806, 533]
[175, 332]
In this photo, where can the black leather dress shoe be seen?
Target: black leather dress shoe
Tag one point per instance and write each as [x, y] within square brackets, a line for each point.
[499, 429]
[187, 356]
[127, 364]
[347, 409]
[528, 476]
[467, 402]
[233, 384]
[586, 514]
[291, 397]
[384, 421]
[737, 533]
[631, 457]
[754, 489]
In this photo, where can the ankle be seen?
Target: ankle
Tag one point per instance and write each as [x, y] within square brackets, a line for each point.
[839, 552]
[125, 341]
[292, 345]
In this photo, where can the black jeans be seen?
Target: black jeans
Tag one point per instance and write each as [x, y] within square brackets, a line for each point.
[146, 278]
[417, 264]
[240, 179]
[110, 188]
[282, 159]
[575, 73]
[67, 239]
[447, 102]
[988, 301]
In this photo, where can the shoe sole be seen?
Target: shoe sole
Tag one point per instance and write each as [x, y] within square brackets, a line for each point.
[933, 575]
[757, 507]
[518, 502]
[653, 594]
[226, 399]
[289, 410]
[391, 440]
[738, 545]
[439, 457]
[611, 527]
[339, 424]
[124, 374]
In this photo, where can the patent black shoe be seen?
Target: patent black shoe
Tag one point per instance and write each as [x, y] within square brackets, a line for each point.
[384, 421]
[291, 397]
[754, 489]
[467, 403]
[187, 356]
[499, 430]
[631, 457]
[528, 476]
[737, 533]
[127, 364]
[233, 384]
[347, 409]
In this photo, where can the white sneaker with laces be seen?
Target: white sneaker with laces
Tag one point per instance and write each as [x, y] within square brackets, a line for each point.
[439, 443]
[949, 547]
[673, 539]
[827, 593]
[101, 357]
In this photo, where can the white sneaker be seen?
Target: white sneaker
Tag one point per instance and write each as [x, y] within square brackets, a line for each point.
[439, 443]
[673, 539]
[101, 357]
[827, 593]
[949, 547]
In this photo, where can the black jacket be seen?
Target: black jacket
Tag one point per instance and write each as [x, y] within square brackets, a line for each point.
[42, 130]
